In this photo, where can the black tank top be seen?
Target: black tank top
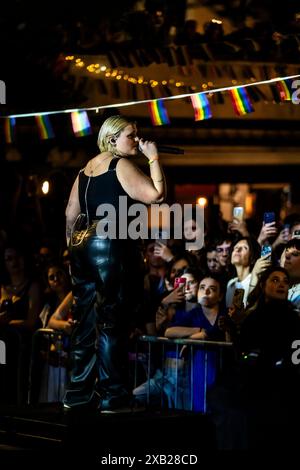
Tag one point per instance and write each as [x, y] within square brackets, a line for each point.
[101, 189]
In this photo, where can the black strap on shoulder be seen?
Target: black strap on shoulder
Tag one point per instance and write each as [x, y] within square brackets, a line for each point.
[113, 164]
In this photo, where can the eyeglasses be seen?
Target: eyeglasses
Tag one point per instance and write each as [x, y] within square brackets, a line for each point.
[221, 250]
[54, 276]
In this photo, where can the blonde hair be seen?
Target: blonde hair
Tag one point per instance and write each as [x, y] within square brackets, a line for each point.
[111, 128]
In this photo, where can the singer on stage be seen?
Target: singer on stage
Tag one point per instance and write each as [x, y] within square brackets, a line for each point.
[106, 272]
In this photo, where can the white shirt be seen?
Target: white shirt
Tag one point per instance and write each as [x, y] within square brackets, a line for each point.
[236, 284]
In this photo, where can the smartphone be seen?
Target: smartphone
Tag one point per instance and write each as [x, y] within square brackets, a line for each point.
[238, 213]
[269, 217]
[266, 250]
[296, 234]
[161, 236]
[179, 282]
[238, 298]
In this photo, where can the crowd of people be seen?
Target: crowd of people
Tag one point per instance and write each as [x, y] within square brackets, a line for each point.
[36, 291]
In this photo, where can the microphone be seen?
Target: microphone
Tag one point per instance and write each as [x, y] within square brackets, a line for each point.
[167, 149]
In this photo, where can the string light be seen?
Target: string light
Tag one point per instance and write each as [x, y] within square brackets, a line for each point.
[169, 98]
[117, 74]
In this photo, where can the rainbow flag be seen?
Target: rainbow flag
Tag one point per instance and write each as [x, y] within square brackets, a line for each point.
[80, 123]
[44, 127]
[240, 101]
[10, 130]
[284, 90]
[201, 107]
[158, 113]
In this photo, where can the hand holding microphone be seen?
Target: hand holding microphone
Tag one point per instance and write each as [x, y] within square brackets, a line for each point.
[149, 149]
[164, 149]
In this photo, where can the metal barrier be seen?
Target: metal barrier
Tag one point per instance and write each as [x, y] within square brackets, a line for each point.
[48, 366]
[184, 372]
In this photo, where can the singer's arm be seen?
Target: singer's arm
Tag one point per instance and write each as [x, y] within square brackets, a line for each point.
[150, 150]
[72, 210]
[139, 186]
[158, 177]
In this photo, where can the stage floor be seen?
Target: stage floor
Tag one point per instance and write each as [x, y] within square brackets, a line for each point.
[137, 432]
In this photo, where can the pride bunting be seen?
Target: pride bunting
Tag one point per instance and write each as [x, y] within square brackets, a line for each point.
[158, 113]
[240, 97]
[284, 90]
[10, 129]
[80, 123]
[201, 107]
[240, 101]
[44, 127]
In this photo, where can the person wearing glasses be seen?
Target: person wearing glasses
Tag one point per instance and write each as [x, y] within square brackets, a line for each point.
[223, 251]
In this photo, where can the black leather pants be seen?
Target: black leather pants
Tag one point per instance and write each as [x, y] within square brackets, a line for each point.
[107, 287]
